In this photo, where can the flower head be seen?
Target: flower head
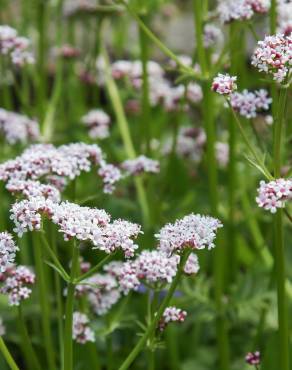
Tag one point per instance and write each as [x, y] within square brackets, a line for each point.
[81, 330]
[16, 282]
[248, 103]
[140, 164]
[171, 314]
[98, 123]
[193, 231]
[7, 251]
[224, 84]
[253, 358]
[274, 56]
[274, 194]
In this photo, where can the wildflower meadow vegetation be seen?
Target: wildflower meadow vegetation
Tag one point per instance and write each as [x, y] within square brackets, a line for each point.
[145, 184]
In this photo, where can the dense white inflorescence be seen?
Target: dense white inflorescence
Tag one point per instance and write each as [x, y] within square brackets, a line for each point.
[274, 56]
[248, 103]
[171, 314]
[31, 189]
[18, 128]
[83, 223]
[232, 10]
[274, 194]
[140, 164]
[110, 175]
[14, 46]
[194, 231]
[15, 283]
[8, 250]
[224, 84]
[97, 121]
[81, 331]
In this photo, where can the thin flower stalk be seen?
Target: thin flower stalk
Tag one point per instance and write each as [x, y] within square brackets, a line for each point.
[68, 332]
[126, 136]
[209, 121]
[151, 328]
[45, 307]
[7, 355]
[279, 249]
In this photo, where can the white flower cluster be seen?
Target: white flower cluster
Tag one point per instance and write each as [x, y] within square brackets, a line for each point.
[102, 289]
[194, 231]
[284, 17]
[81, 331]
[140, 164]
[97, 121]
[16, 47]
[31, 189]
[190, 143]
[110, 175]
[274, 56]
[212, 35]
[41, 160]
[8, 249]
[15, 283]
[161, 90]
[232, 10]
[171, 314]
[17, 128]
[153, 268]
[248, 103]
[74, 221]
[224, 84]
[222, 154]
[274, 194]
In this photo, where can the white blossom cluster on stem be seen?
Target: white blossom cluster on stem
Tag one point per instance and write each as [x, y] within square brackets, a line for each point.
[31, 189]
[15, 46]
[102, 289]
[192, 231]
[224, 84]
[83, 223]
[15, 127]
[248, 103]
[16, 283]
[140, 164]
[274, 56]
[190, 143]
[274, 194]
[81, 331]
[171, 314]
[284, 20]
[8, 249]
[97, 121]
[233, 10]
[153, 268]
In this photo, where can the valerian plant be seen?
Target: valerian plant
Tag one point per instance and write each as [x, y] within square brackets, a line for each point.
[145, 184]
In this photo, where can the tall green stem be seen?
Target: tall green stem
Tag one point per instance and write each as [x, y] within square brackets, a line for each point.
[126, 136]
[28, 350]
[44, 305]
[153, 325]
[68, 341]
[209, 123]
[279, 241]
[7, 355]
[144, 55]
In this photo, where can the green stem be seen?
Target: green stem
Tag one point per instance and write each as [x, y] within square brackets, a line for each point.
[93, 270]
[197, 7]
[145, 117]
[28, 350]
[53, 255]
[7, 355]
[273, 17]
[279, 241]
[151, 328]
[68, 341]
[252, 151]
[126, 136]
[43, 299]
